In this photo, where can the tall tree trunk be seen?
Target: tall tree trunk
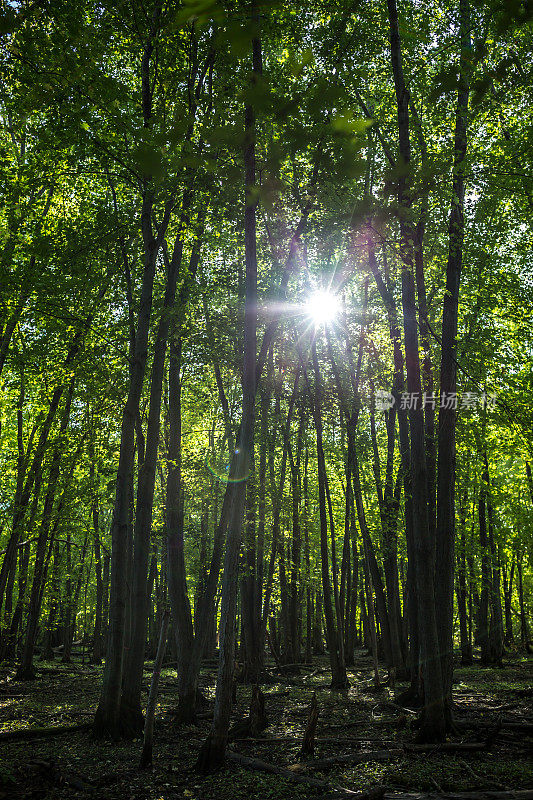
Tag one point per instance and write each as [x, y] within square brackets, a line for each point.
[131, 717]
[496, 617]
[105, 597]
[70, 630]
[389, 507]
[405, 456]
[371, 560]
[96, 655]
[252, 584]
[213, 750]
[339, 679]
[462, 593]
[190, 640]
[67, 618]
[507, 597]
[307, 553]
[483, 638]
[22, 501]
[107, 718]
[48, 652]
[295, 550]
[25, 670]
[433, 719]
[524, 627]
[448, 374]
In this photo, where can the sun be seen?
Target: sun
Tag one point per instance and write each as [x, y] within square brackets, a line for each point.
[322, 307]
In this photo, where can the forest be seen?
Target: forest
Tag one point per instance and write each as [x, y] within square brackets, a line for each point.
[266, 386]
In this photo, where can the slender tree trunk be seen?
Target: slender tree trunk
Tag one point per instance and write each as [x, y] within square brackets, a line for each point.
[25, 670]
[496, 617]
[433, 718]
[253, 584]
[213, 751]
[307, 552]
[296, 547]
[96, 655]
[524, 627]
[105, 598]
[190, 640]
[371, 559]
[529, 476]
[448, 375]
[107, 719]
[34, 473]
[146, 756]
[130, 708]
[8, 604]
[70, 630]
[507, 597]
[389, 511]
[67, 618]
[48, 652]
[339, 679]
[371, 622]
[466, 648]
[177, 581]
[483, 613]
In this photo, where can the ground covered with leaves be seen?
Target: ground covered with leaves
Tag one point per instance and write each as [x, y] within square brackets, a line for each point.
[364, 725]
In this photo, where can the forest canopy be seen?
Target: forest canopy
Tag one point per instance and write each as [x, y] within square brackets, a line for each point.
[266, 347]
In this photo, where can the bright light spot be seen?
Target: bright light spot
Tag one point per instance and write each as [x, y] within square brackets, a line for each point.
[323, 307]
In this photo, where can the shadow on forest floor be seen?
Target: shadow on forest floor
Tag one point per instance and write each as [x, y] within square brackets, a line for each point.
[73, 765]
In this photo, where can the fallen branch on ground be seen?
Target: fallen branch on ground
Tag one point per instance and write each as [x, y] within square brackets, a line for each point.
[41, 733]
[356, 740]
[350, 758]
[519, 794]
[499, 724]
[449, 747]
[258, 765]
[480, 780]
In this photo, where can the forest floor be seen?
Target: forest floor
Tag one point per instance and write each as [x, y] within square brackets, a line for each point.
[360, 721]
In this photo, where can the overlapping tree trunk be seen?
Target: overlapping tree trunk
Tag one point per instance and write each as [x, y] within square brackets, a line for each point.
[433, 721]
[448, 372]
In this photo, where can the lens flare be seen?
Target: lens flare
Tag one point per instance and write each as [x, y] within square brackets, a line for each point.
[322, 307]
[220, 468]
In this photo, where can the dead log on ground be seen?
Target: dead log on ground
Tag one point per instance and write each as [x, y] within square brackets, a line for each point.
[525, 728]
[519, 794]
[449, 747]
[41, 733]
[350, 758]
[355, 740]
[258, 765]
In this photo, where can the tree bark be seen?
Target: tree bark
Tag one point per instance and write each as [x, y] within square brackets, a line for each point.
[507, 597]
[213, 751]
[25, 670]
[433, 719]
[339, 679]
[146, 756]
[448, 374]
[130, 706]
